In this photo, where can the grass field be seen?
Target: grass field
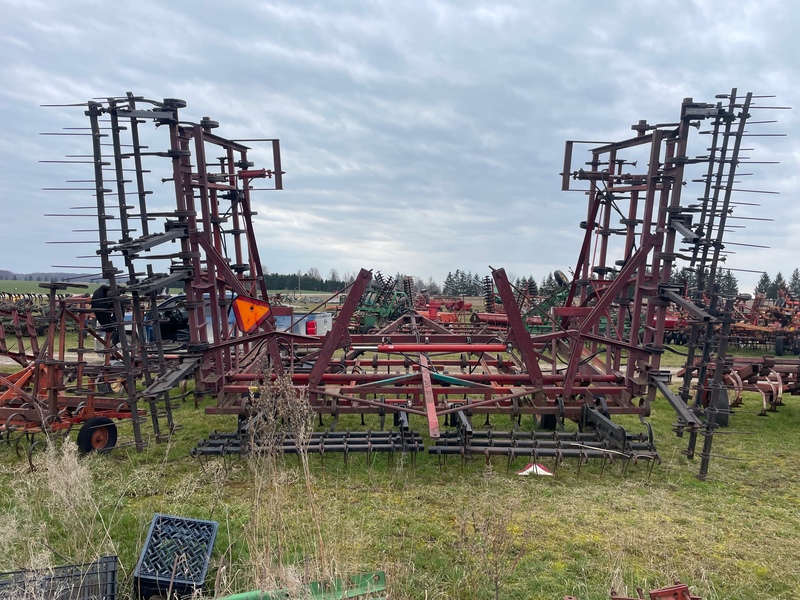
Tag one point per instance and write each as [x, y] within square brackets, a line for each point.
[34, 287]
[460, 531]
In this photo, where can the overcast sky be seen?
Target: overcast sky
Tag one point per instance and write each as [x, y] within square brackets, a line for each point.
[418, 136]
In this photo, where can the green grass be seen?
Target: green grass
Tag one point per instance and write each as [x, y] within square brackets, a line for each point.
[442, 533]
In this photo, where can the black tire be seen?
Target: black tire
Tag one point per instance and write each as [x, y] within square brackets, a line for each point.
[171, 103]
[560, 278]
[723, 406]
[548, 422]
[779, 349]
[97, 433]
[178, 153]
[103, 306]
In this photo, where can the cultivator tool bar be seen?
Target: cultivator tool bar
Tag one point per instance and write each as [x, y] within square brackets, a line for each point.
[621, 290]
[589, 352]
[126, 342]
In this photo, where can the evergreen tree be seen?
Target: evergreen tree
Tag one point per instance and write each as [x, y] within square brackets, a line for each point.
[794, 283]
[532, 287]
[763, 285]
[684, 277]
[449, 284]
[728, 284]
[462, 283]
[776, 284]
[548, 286]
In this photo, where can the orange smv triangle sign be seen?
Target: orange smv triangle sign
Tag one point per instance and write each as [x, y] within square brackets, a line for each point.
[250, 312]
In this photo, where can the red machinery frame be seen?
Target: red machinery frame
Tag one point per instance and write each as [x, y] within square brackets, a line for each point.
[601, 358]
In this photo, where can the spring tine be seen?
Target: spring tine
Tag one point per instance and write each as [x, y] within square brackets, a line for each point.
[74, 242]
[82, 162]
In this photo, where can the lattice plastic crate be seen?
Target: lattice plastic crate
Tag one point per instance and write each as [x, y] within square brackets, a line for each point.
[175, 557]
[91, 581]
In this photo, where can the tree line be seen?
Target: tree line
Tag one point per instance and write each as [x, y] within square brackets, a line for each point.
[769, 286]
[312, 281]
[728, 284]
[466, 283]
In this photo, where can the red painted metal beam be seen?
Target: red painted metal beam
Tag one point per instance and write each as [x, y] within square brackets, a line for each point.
[474, 348]
[430, 397]
[518, 334]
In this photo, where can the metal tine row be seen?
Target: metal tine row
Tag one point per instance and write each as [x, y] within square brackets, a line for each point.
[104, 123]
[559, 456]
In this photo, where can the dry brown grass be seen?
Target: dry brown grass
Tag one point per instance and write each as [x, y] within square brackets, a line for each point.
[280, 554]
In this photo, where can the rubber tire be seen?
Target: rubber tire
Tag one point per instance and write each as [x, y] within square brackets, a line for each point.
[178, 153]
[89, 437]
[724, 407]
[172, 103]
[560, 278]
[779, 349]
[548, 422]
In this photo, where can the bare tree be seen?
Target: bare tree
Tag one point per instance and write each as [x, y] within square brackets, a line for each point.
[433, 287]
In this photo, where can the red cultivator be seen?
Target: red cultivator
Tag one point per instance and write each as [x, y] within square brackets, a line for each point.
[58, 386]
[592, 353]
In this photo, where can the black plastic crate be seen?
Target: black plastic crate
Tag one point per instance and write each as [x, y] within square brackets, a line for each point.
[175, 556]
[91, 581]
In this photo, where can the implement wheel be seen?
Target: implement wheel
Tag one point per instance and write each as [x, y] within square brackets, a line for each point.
[98, 433]
[560, 278]
[548, 422]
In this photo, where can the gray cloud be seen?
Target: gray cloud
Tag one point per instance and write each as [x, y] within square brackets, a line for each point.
[419, 136]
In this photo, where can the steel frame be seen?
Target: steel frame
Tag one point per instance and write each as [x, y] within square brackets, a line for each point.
[602, 353]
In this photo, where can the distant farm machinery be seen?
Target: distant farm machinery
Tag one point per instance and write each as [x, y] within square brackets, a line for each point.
[69, 376]
[587, 353]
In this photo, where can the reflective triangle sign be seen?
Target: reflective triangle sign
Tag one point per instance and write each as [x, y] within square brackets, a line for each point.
[250, 312]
